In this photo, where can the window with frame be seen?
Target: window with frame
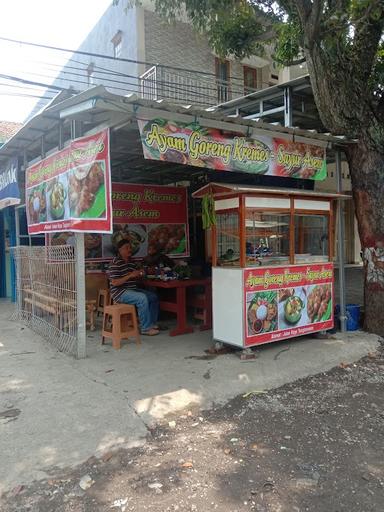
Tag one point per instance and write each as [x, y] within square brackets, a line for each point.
[252, 79]
[228, 238]
[311, 238]
[267, 237]
[222, 68]
[117, 42]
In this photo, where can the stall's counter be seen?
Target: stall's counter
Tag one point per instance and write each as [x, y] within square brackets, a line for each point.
[262, 304]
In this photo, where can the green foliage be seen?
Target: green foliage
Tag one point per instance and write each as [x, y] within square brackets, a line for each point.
[289, 42]
[237, 27]
[340, 39]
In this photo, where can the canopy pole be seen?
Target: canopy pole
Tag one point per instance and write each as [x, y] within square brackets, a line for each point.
[340, 243]
[81, 349]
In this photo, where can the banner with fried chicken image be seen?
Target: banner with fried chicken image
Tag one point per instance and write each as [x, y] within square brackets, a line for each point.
[71, 189]
[284, 302]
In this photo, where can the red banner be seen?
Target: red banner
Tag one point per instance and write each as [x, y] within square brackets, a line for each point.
[200, 146]
[149, 214]
[71, 189]
[143, 214]
[284, 302]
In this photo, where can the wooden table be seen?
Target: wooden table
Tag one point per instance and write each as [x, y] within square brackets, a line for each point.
[179, 305]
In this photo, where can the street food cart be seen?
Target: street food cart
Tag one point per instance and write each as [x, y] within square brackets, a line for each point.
[272, 252]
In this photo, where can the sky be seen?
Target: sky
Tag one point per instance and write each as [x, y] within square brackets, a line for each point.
[61, 23]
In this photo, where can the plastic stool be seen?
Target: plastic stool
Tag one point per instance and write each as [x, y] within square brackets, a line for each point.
[124, 324]
[103, 299]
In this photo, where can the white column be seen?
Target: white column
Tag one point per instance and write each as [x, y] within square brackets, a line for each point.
[81, 351]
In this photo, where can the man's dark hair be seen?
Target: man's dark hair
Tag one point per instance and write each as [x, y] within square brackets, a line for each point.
[121, 244]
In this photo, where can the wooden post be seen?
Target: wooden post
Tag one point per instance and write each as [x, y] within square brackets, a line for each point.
[242, 231]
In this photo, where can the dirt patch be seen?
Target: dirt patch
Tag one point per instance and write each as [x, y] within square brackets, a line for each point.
[314, 445]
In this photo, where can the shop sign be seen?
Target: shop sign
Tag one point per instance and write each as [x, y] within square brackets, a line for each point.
[71, 189]
[143, 214]
[285, 302]
[9, 188]
[192, 144]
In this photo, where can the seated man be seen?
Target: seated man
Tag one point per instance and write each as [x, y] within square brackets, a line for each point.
[156, 258]
[123, 276]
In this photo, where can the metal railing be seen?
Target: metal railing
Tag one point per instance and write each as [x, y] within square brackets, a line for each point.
[46, 295]
[188, 87]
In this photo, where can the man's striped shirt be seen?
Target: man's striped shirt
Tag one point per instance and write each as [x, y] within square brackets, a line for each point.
[117, 269]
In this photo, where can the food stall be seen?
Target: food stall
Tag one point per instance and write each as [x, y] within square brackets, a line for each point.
[272, 253]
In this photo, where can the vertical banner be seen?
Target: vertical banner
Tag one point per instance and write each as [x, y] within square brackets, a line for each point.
[9, 188]
[284, 302]
[71, 189]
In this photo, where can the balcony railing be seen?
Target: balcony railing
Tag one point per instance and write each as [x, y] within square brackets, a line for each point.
[188, 87]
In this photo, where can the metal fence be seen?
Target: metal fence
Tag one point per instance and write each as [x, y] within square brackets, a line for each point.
[188, 87]
[46, 293]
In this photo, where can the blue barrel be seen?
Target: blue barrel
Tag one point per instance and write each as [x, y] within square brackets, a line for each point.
[353, 317]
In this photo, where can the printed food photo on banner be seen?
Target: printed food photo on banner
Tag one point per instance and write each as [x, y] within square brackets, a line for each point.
[70, 190]
[319, 303]
[87, 191]
[169, 238]
[261, 312]
[292, 307]
[93, 246]
[37, 204]
[57, 198]
[136, 234]
[63, 238]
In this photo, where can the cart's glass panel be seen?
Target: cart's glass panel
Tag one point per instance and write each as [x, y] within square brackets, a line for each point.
[311, 238]
[228, 239]
[267, 238]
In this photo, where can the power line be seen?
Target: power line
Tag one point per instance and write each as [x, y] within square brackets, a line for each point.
[109, 57]
[24, 87]
[195, 91]
[24, 95]
[31, 82]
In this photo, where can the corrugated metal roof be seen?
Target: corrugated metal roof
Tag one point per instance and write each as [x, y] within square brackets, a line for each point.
[98, 100]
[223, 189]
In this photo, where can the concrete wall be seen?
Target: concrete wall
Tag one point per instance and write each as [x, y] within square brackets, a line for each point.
[148, 38]
[290, 73]
[177, 44]
[99, 41]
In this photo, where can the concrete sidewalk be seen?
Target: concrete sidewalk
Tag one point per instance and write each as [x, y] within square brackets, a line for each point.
[56, 411]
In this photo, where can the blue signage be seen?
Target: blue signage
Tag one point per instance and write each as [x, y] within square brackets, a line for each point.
[9, 189]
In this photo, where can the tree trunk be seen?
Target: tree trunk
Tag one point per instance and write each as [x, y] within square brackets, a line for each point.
[367, 175]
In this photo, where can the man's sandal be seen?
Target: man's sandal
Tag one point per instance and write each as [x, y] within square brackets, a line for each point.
[150, 332]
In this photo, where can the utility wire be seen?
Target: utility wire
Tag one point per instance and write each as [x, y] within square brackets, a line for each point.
[31, 82]
[109, 57]
[24, 95]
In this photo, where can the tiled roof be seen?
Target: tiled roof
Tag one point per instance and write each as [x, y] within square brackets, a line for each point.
[7, 129]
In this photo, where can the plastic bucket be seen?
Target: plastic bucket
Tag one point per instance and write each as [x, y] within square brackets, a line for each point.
[353, 317]
[352, 314]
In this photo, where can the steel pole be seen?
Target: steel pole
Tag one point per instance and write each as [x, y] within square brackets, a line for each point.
[81, 350]
[340, 243]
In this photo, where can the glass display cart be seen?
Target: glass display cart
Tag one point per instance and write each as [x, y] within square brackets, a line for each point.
[272, 253]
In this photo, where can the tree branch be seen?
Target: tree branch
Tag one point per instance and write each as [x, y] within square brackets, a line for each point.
[295, 62]
[314, 20]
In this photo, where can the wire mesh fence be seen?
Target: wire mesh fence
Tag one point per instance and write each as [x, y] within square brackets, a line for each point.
[46, 293]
